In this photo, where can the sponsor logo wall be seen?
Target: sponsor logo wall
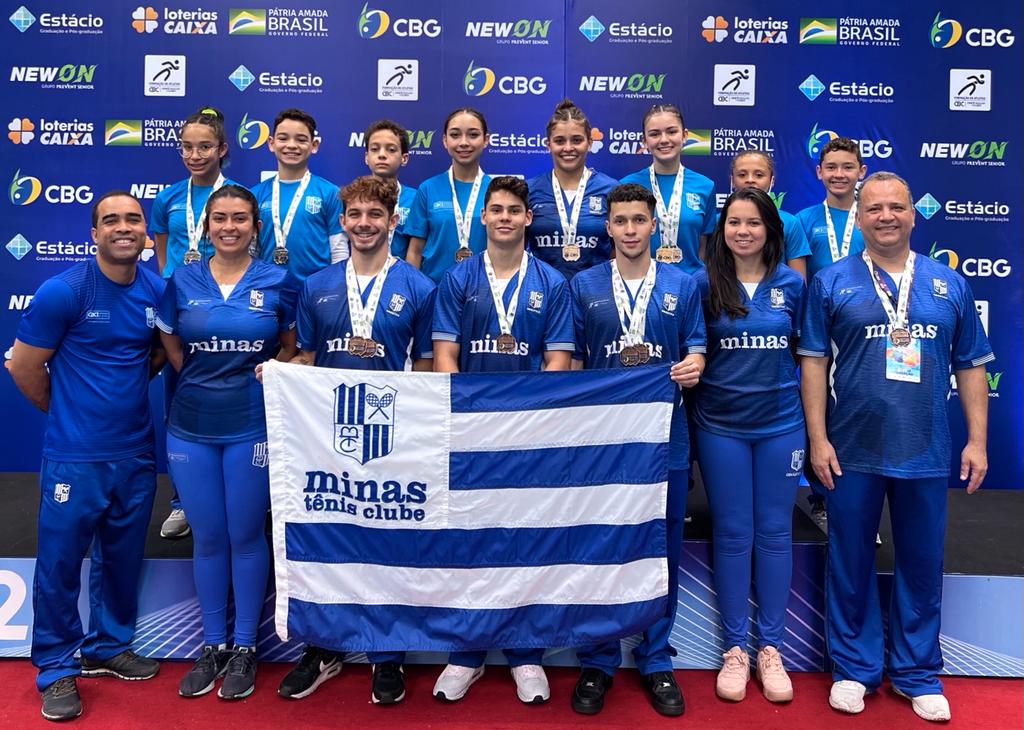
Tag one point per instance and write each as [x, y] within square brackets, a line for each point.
[94, 95]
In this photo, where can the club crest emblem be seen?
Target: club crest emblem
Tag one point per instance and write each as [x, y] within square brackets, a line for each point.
[256, 298]
[669, 303]
[313, 204]
[778, 298]
[364, 421]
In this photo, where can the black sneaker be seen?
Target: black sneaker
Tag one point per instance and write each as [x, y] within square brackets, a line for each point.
[61, 700]
[588, 695]
[126, 665]
[664, 693]
[314, 668]
[388, 683]
[203, 675]
[240, 674]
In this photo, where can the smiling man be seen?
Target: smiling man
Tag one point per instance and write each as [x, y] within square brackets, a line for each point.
[84, 354]
[895, 324]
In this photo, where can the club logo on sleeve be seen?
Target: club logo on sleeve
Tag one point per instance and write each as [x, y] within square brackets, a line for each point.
[61, 492]
[364, 421]
[778, 298]
[535, 301]
[260, 457]
[668, 304]
[314, 204]
[396, 304]
[256, 299]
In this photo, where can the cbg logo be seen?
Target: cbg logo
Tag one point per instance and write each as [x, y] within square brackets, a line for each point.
[978, 267]
[479, 80]
[252, 133]
[375, 23]
[946, 32]
[26, 189]
[818, 138]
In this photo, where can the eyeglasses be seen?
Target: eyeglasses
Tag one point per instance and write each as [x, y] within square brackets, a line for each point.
[203, 150]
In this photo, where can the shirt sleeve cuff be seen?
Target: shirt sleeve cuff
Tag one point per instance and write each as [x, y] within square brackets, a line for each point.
[164, 327]
[444, 337]
[966, 364]
[560, 347]
[809, 353]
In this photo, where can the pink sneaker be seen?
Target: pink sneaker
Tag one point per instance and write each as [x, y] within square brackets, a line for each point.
[734, 675]
[774, 681]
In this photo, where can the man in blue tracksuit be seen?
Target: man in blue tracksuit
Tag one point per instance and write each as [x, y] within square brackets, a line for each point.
[84, 355]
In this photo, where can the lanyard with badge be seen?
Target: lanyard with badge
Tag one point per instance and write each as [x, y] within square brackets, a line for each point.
[633, 321]
[507, 344]
[361, 343]
[833, 245]
[195, 228]
[281, 230]
[902, 352]
[570, 249]
[464, 220]
[668, 252]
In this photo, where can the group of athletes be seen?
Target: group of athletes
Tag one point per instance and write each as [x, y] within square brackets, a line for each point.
[468, 273]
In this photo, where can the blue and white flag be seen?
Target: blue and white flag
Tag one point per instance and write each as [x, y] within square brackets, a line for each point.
[445, 512]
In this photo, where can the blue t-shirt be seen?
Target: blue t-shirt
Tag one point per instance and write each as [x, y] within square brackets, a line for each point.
[544, 236]
[168, 216]
[674, 329]
[102, 333]
[883, 426]
[432, 218]
[749, 387]
[400, 241]
[465, 314]
[698, 212]
[812, 219]
[403, 317]
[315, 240]
[794, 240]
[218, 399]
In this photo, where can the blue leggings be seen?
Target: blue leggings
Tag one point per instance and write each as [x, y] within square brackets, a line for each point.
[751, 486]
[226, 497]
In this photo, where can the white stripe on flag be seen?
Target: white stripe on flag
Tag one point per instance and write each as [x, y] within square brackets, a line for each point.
[604, 504]
[479, 588]
[553, 427]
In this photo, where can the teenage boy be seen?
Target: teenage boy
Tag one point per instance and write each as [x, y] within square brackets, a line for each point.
[501, 310]
[633, 311]
[387, 151]
[300, 211]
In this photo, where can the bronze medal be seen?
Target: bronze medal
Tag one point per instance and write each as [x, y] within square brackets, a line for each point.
[629, 356]
[369, 348]
[356, 346]
[506, 344]
[900, 337]
[643, 353]
[664, 255]
[462, 254]
[280, 256]
[570, 252]
[192, 256]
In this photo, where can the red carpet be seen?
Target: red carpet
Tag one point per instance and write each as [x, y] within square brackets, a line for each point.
[345, 702]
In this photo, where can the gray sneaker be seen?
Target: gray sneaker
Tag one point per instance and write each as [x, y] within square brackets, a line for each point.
[176, 525]
[61, 700]
[126, 665]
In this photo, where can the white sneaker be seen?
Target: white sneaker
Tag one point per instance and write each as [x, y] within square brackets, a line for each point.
[847, 696]
[531, 683]
[934, 708]
[175, 526]
[455, 681]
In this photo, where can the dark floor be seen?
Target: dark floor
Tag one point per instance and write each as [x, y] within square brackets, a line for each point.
[982, 532]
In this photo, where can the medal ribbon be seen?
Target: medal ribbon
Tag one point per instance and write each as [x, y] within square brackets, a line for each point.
[505, 318]
[281, 231]
[840, 253]
[668, 217]
[464, 220]
[391, 232]
[362, 317]
[195, 228]
[898, 317]
[569, 224]
[633, 321]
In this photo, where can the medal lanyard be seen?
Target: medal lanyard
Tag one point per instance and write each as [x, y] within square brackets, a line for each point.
[195, 229]
[464, 220]
[281, 231]
[633, 320]
[391, 231]
[362, 317]
[569, 225]
[898, 317]
[668, 217]
[840, 253]
[505, 318]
